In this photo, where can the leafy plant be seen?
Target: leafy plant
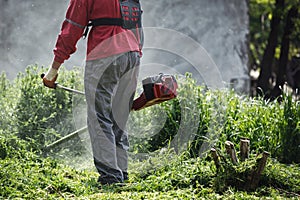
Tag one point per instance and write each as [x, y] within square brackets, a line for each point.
[33, 116]
[43, 114]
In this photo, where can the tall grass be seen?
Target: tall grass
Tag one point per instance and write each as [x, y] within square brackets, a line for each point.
[201, 118]
[289, 132]
[175, 137]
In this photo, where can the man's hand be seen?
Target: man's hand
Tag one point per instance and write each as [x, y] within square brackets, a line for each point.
[50, 78]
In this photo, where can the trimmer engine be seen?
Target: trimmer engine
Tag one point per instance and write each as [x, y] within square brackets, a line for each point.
[157, 89]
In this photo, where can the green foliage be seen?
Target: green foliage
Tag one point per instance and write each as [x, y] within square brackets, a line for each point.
[28, 176]
[254, 119]
[8, 94]
[34, 116]
[200, 118]
[33, 177]
[37, 114]
[199, 178]
[42, 114]
[170, 128]
[173, 123]
[4, 84]
[236, 175]
[285, 177]
[260, 18]
[260, 12]
[289, 131]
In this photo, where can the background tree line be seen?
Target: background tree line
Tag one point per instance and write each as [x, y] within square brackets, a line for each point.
[275, 46]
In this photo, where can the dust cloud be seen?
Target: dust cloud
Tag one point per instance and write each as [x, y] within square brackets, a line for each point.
[28, 31]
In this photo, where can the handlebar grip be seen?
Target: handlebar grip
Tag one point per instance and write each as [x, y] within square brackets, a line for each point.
[55, 84]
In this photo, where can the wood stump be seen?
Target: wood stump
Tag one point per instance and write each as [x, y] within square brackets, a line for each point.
[244, 149]
[254, 176]
[230, 150]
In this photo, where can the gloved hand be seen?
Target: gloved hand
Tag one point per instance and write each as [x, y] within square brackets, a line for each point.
[50, 77]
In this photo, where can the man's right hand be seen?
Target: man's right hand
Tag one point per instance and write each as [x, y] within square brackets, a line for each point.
[50, 77]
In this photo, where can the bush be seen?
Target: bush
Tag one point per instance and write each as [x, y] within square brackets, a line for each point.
[201, 118]
[34, 113]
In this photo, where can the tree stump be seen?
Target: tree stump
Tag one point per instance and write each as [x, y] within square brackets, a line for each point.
[215, 157]
[256, 174]
[230, 150]
[244, 149]
[251, 181]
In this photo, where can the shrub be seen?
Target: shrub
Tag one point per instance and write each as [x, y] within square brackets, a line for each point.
[34, 113]
[201, 118]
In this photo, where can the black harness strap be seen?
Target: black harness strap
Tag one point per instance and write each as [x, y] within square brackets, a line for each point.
[103, 22]
[131, 17]
[107, 22]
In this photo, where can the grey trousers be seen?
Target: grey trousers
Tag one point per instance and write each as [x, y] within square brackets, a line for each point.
[110, 84]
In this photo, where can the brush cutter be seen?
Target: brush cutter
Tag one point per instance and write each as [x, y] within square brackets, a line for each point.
[157, 89]
[65, 138]
[69, 89]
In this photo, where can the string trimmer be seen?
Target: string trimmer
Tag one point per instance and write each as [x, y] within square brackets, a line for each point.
[157, 89]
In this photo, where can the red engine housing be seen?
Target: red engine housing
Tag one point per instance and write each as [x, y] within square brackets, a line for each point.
[157, 89]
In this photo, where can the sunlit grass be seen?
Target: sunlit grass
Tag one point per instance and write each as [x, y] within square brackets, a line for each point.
[162, 164]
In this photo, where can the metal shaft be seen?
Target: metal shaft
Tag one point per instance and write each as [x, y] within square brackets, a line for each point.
[69, 89]
[64, 139]
[66, 88]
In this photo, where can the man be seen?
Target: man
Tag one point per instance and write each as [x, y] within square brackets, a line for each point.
[111, 72]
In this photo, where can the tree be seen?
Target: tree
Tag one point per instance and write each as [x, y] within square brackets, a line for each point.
[264, 83]
[274, 40]
[284, 53]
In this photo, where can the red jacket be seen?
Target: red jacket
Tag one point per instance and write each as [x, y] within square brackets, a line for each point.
[103, 41]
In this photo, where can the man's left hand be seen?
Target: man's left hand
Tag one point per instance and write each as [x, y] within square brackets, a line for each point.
[50, 78]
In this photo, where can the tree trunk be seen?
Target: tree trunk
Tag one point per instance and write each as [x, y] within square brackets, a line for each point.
[263, 83]
[284, 52]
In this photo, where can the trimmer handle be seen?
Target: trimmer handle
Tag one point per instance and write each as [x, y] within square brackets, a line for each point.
[65, 88]
[49, 82]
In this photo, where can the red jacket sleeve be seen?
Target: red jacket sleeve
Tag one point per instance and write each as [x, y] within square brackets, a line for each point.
[71, 30]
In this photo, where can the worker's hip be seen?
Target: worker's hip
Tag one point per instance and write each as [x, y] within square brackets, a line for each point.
[110, 85]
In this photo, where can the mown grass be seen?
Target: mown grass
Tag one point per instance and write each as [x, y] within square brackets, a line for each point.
[168, 159]
[29, 176]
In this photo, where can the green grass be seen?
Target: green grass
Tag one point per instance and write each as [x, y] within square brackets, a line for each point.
[162, 164]
[28, 176]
